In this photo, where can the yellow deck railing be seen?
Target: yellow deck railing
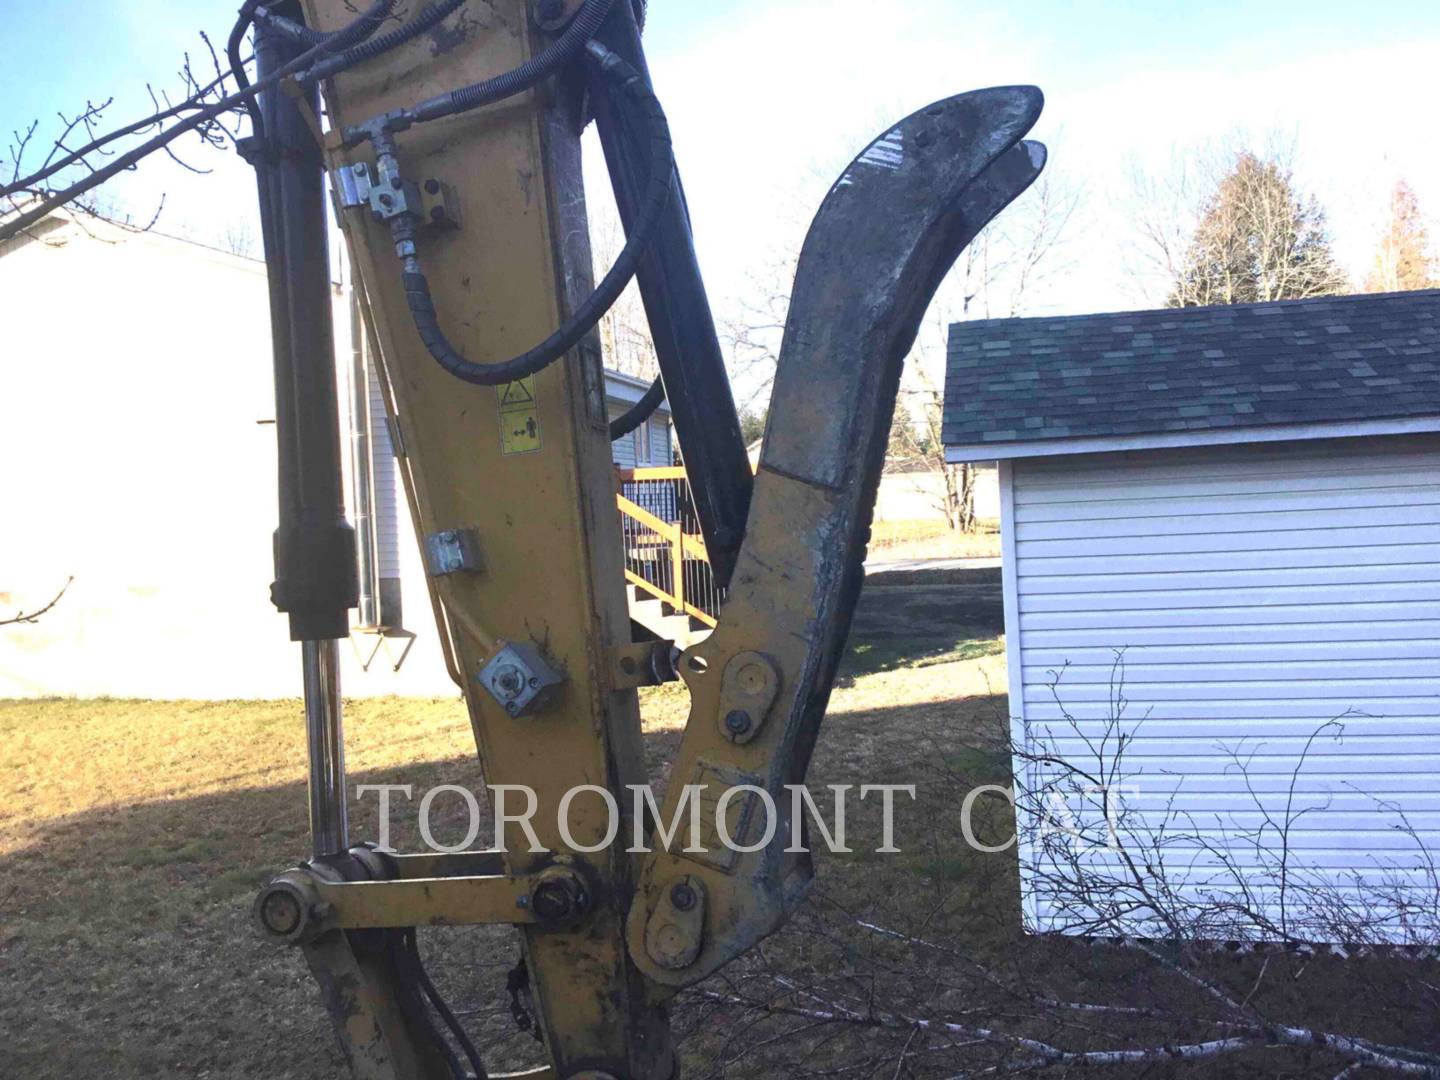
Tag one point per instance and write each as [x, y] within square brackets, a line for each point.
[661, 557]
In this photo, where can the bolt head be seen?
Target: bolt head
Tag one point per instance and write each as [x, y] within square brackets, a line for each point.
[281, 913]
[509, 680]
[737, 721]
[682, 897]
[559, 901]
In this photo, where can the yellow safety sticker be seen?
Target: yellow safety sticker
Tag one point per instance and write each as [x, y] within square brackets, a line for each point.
[519, 417]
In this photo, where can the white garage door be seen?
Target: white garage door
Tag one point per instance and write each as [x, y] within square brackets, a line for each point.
[1246, 642]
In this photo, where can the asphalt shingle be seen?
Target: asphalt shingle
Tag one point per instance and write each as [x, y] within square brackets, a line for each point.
[1332, 359]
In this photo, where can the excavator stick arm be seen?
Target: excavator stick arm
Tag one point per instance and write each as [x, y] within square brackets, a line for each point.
[453, 150]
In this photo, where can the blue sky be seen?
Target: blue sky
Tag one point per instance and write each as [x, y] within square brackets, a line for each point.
[769, 99]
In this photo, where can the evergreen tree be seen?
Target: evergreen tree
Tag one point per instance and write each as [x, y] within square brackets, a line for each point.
[1257, 239]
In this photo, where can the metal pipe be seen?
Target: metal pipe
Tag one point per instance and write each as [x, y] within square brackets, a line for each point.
[363, 512]
[324, 728]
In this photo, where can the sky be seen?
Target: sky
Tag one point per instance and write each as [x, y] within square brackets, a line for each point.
[768, 99]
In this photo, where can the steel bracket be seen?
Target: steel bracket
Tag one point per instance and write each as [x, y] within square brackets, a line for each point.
[519, 678]
[453, 551]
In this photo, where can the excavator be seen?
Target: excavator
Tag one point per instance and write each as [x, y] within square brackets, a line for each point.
[444, 142]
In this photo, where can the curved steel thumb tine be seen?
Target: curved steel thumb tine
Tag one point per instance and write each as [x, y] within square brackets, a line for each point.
[997, 187]
[883, 239]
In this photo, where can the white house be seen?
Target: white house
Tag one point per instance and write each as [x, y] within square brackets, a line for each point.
[1242, 505]
[136, 382]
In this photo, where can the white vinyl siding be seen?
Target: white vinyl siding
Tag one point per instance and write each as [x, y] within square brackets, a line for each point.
[385, 484]
[660, 453]
[647, 445]
[1256, 592]
[623, 451]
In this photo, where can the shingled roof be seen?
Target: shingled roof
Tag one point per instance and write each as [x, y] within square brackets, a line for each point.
[1242, 366]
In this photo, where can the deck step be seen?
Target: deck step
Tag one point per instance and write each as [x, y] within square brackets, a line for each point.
[650, 613]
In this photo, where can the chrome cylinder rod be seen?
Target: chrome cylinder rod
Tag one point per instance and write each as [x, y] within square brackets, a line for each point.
[329, 825]
[362, 513]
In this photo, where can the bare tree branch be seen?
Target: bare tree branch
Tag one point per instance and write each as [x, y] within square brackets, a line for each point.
[34, 616]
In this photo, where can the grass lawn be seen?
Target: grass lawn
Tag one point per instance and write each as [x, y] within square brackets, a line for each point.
[137, 832]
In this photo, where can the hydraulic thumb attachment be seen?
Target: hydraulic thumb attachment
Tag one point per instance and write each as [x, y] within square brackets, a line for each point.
[885, 236]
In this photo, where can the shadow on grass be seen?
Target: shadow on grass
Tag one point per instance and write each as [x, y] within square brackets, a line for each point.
[126, 934]
[917, 618]
[972, 576]
[891, 654]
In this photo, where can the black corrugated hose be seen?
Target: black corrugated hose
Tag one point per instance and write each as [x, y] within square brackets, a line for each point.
[417, 290]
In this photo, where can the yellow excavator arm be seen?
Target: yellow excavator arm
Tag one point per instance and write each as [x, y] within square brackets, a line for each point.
[450, 138]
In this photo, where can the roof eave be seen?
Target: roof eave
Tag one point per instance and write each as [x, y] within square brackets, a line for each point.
[1158, 440]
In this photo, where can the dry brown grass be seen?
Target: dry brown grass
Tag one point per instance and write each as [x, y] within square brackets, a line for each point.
[893, 540]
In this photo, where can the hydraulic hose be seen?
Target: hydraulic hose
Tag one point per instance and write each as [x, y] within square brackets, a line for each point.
[411, 997]
[411, 946]
[365, 25]
[368, 50]
[301, 34]
[532, 72]
[417, 289]
[638, 413]
[237, 64]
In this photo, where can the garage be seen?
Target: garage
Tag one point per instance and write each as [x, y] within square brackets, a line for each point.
[1222, 603]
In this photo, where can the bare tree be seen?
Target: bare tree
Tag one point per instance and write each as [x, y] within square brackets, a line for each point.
[752, 330]
[1230, 226]
[1404, 259]
[76, 147]
[916, 444]
[205, 106]
[624, 330]
[239, 238]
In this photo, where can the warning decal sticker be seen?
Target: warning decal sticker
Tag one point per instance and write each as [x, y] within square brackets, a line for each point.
[519, 418]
